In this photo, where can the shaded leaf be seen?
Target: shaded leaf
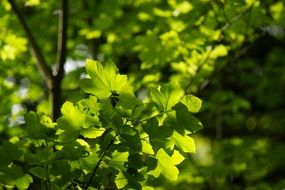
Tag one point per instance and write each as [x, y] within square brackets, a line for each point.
[39, 126]
[8, 153]
[38, 171]
[15, 176]
[118, 159]
[153, 129]
[185, 120]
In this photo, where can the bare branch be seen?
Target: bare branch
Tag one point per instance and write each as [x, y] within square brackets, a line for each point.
[62, 38]
[56, 92]
[36, 51]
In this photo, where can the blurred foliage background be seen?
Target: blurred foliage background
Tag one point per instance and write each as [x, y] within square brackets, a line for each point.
[230, 53]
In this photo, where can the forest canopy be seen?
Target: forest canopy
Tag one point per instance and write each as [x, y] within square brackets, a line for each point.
[142, 94]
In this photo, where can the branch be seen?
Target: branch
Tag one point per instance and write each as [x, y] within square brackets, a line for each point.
[100, 160]
[56, 92]
[62, 38]
[36, 51]
[105, 151]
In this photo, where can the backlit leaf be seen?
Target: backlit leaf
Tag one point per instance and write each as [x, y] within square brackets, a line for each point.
[166, 166]
[104, 79]
[193, 103]
[92, 132]
[185, 143]
[166, 96]
[72, 119]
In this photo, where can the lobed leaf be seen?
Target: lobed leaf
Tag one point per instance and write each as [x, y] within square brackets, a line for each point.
[104, 80]
[166, 96]
[185, 143]
[166, 166]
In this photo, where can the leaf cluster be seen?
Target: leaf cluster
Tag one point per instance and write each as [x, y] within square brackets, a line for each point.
[111, 139]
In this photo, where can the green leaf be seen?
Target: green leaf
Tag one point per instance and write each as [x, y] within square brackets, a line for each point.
[134, 178]
[60, 168]
[166, 166]
[39, 126]
[135, 161]
[91, 121]
[92, 132]
[153, 129]
[177, 158]
[147, 188]
[162, 143]
[104, 80]
[127, 101]
[118, 159]
[219, 51]
[127, 130]
[38, 171]
[23, 182]
[185, 120]
[107, 112]
[8, 153]
[67, 107]
[146, 147]
[88, 163]
[14, 175]
[185, 143]
[166, 96]
[121, 181]
[132, 142]
[73, 150]
[158, 135]
[193, 103]
[72, 119]
[91, 104]
[128, 105]
[41, 156]
[126, 180]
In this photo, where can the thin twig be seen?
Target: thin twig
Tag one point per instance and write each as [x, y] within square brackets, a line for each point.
[36, 51]
[105, 151]
[99, 161]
